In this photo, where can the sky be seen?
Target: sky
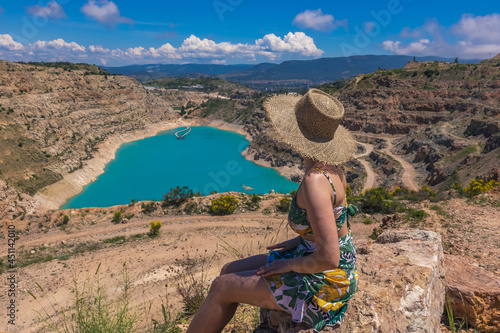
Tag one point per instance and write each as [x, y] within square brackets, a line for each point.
[118, 33]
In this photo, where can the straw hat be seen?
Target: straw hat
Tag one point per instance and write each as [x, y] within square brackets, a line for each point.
[311, 125]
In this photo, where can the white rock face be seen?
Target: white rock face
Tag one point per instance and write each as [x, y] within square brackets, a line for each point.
[401, 288]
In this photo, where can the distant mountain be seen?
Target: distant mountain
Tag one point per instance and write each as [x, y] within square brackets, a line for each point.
[325, 69]
[158, 71]
[291, 74]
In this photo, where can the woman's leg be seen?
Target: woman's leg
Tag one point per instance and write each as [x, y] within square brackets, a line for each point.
[245, 264]
[226, 291]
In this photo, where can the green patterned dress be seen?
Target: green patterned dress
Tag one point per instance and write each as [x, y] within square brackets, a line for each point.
[318, 299]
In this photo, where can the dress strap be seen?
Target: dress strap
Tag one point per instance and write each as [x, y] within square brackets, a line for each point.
[333, 187]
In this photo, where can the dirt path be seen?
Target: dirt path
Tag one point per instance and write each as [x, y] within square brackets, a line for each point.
[409, 174]
[370, 174]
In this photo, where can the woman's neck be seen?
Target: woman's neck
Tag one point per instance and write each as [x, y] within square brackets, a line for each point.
[309, 164]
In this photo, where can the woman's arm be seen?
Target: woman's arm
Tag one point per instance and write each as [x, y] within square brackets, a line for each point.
[287, 245]
[317, 193]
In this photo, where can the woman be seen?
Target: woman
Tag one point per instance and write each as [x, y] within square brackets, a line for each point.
[313, 275]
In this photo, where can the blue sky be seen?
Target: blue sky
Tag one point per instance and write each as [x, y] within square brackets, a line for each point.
[117, 32]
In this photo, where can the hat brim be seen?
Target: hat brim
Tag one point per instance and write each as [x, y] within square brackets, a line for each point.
[280, 110]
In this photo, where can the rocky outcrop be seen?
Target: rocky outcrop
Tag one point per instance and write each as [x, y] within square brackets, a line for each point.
[481, 127]
[492, 143]
[400, 289]
[473, 294]
[388, 166]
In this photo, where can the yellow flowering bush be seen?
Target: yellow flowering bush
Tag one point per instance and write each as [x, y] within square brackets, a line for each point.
[348, 190]
[224, 205]
[400, 191]
[478, 185]
[154, 228]
[284, 204]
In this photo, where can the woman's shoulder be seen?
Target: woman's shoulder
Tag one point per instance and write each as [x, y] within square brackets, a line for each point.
[315, 179]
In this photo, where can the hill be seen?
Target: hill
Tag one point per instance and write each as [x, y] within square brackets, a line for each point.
[157, 71]
[289, 75]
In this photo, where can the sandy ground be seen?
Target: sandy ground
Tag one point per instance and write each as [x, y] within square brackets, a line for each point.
[151, 262]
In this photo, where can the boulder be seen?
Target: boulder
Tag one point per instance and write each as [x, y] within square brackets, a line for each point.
[473, 294]
[421, 154]
[400, 289]
[478, 127]
[492, 143]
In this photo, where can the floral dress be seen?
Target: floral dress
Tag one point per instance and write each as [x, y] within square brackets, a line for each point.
[318, 299]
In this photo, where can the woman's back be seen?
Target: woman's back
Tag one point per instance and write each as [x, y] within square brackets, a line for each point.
[335, 176]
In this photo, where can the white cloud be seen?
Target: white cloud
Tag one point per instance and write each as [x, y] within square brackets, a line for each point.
[480, 28]
[193, 49]
[53, 9]
[317, 20]
[105, 12]
[6, 42]
[219, 62]
[58, 44]
[298, 43]
[418, 47]
[477, 38]
[98, 49]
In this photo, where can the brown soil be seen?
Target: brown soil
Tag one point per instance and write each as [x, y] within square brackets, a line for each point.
[149, 260]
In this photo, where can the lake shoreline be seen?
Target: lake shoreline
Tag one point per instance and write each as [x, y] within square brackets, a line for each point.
[55, 195]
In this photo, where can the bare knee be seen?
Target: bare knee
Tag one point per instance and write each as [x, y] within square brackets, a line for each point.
[225, 269]
[219, 286]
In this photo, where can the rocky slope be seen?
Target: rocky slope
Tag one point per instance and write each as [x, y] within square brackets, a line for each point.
[54, 116]
[447, 115]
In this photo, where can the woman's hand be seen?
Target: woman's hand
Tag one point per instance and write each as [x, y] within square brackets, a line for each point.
[286, 245]
[274, 267]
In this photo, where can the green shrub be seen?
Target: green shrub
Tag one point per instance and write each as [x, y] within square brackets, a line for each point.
[154, 228]
[117, 217]
[367, 220]
[255, 198]
[376, 200]
[169, 324]
[116, 239]
[191, 282]
[190, 208]
[149, 207]
[417, 215]
[65, 219]
[426, 193]
[284, 204]
[400, 191]
[177, 196]
[93, 310]
[224, 205]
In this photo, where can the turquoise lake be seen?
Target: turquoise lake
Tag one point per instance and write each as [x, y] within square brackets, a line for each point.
[206, 160]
